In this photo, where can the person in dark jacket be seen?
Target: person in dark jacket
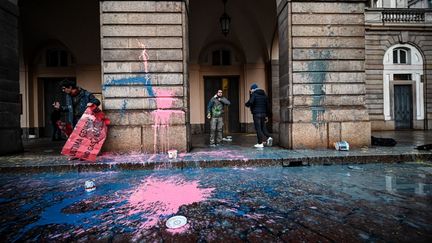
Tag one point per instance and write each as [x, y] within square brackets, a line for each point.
[77, 101]
[258, 103]
[215, 110]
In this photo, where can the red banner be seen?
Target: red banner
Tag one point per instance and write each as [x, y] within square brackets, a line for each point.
[89, 134]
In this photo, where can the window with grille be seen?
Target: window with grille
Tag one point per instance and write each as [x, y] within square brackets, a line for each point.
[221, 57]
[57, 58]
[401, 56]
[403, 76]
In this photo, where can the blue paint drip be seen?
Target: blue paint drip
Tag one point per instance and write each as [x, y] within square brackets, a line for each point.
[317, 73]
[123, 108]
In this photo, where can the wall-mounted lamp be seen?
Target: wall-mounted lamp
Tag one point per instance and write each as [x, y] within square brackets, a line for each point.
[225, 21]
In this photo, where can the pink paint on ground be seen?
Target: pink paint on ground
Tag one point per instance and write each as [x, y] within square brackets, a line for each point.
[156, 197]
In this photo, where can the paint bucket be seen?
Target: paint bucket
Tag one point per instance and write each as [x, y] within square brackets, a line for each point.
[89, 186]
[342, 146]
[172, 154]
[176, 222]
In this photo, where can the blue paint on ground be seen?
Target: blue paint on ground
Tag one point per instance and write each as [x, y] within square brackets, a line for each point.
[275, 197]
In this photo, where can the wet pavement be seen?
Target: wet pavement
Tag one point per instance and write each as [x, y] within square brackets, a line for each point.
[343, 203]
[43, 155]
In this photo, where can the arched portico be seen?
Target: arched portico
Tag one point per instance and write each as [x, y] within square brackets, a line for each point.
[321, 67]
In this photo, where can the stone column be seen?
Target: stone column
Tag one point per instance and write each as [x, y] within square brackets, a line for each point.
[145, 90]
[322, 74]
[10, 106]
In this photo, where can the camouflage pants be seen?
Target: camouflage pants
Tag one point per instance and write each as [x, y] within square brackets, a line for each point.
[216, 125]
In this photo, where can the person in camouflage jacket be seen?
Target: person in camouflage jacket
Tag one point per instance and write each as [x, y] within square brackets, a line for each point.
[215, 110]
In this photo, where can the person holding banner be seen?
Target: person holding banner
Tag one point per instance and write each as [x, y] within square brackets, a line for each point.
[89, 122]
[77, 101]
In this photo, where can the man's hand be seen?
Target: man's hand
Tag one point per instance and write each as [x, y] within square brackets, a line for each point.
[266, 120]
[208, 116]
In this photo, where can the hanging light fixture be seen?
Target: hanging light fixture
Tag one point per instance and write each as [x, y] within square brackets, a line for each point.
[225, 21]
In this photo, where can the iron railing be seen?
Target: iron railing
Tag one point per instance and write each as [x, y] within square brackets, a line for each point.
[403, 15]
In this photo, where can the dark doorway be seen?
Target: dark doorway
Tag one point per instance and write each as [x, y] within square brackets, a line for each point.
[403, 106]
[52, 92]
[230, 88]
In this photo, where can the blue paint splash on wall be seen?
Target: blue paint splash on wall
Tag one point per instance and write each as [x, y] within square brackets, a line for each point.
[145, 81]
[317, 73]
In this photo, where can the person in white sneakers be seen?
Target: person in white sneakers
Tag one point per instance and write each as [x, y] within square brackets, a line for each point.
[258, 103]
[215, 111]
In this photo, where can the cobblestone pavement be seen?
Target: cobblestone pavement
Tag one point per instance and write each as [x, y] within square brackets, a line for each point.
[43, 155]
[342, 203]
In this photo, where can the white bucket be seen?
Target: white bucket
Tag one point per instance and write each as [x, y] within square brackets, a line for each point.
[89, 186]
[172, 154]
[342, 146]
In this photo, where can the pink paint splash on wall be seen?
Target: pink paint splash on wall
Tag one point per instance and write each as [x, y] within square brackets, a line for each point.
[164, 100]
[157, 197]
[161, 116]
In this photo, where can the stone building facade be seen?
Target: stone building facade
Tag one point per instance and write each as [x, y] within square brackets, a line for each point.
[398, 64]
[154, 64]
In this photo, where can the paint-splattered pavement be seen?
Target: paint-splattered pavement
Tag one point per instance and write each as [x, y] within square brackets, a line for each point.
[343, 203]
[45, 157]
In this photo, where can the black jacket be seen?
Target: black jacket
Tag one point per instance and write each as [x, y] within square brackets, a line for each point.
[258, 102]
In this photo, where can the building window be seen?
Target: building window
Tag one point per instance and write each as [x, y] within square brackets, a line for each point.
[57, 58]
[401, 56]
[403, 76]
[221, 57]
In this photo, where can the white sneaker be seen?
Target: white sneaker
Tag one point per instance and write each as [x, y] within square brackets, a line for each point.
[269, 141]
[259, 145]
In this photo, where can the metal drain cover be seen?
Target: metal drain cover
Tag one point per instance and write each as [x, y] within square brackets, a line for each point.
[176, 222]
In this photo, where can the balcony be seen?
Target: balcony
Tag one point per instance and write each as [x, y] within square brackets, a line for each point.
[403, 15]
[398, 17]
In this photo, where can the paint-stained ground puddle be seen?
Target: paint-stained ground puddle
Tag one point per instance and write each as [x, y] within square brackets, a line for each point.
[369, 202]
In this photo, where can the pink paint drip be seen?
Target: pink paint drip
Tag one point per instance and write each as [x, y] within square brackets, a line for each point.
[162, 116]
[156, 197]
[144, 56]
[164, 98]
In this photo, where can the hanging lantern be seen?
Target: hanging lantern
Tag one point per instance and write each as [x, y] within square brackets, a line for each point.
[225, 21]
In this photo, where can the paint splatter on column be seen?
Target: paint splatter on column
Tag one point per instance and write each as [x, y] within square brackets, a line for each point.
[317, 72]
